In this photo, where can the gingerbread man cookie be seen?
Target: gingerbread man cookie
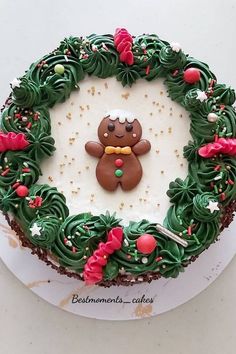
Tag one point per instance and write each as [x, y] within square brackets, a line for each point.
[119, 133]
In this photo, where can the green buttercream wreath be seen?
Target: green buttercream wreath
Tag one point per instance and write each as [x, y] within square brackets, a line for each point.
[43, 215]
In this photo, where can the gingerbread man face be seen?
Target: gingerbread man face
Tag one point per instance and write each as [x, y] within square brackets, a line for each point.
[116, 133]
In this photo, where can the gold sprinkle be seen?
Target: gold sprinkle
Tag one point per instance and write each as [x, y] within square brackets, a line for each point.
[181, 164]
[99, 93]
[161, 92]
[169, 130]
[162, 131]
[72, 103]
[106, 85]
[156, 134]
[59, 123]
[81, 108]
[150, 129]
[61, 172]
[71, 182]
[65, 156]
[88, 106]
[157, 151]
[88, 123]
[162, 172]
[157, 104]
[171, 114]
[181, 115]
[158, 204]
[50, 178]
[150, 113]
[76, 133]
[125, 95]
[79, 172]
[131, 206]
[159, 110]
[177, 155]
[87, 167]
[145, 95]
[122, 204]
[163, 106]
[140, 199]
[153, 102]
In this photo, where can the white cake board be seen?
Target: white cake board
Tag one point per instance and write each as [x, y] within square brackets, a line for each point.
[166, 294]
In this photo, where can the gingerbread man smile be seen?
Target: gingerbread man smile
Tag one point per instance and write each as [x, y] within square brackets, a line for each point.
[119, 133]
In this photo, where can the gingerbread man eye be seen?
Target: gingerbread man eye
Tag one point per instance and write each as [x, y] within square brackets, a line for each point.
[111, 127]
[129, 127]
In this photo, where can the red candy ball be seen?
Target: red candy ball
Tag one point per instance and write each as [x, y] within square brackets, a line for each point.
[146, 243]
[22, 191]
[192, 75]
[119, 162]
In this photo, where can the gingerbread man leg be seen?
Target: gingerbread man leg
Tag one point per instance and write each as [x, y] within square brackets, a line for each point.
[106, 180]
[130, 180]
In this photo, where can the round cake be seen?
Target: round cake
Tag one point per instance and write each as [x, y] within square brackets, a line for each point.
[118, 158]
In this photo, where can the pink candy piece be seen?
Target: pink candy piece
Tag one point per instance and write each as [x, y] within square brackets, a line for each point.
[221, 146]
[93, 268]
[123, 43]
[12, 141]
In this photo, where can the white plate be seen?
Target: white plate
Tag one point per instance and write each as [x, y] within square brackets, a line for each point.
[163, 294]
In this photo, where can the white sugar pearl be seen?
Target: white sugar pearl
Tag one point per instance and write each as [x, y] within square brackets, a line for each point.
[212, 117]
[144, 260]
[105, 135]
[24, 119]
[134, 135]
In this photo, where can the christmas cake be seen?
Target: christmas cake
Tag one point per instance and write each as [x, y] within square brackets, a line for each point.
[118, 158]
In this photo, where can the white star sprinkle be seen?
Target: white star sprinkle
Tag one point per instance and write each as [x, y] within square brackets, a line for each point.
[201, 96]
[212, 206]
[36, 230]
[15, 83]
[176, 47]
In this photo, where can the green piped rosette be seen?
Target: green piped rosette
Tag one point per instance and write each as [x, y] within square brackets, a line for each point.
[73, 239]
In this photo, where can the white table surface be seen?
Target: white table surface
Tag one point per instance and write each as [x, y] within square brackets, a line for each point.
[206, 324]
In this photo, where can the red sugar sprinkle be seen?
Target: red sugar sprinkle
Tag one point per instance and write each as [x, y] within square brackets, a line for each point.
[217, 168]
[230, 181]
[4, 173]
[36, 116]
[189, 230]
[15, 185]
[73, 249]
[158, 259]
[148, 70]
[175, 72]
[29, 125]
[25, 170]
[222, 196]
[65, 240]
[18, 115]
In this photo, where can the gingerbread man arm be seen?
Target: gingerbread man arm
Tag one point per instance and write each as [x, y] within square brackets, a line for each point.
[94, 149]
[142, 147]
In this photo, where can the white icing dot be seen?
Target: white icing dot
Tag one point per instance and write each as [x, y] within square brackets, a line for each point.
[105, 135]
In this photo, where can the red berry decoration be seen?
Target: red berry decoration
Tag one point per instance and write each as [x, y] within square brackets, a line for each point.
[22, 191]
[146, 243]
[192, 75]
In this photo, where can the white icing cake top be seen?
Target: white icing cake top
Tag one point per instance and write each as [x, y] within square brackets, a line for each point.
[164, 123]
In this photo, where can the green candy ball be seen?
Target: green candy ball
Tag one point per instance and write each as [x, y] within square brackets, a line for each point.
[118, 173]
[59, 69]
